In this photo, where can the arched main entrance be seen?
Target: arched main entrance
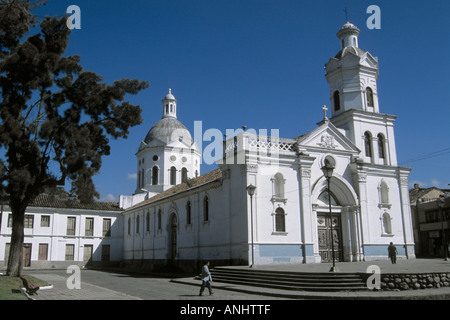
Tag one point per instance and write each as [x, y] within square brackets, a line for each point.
[346, 235]
[329, 229]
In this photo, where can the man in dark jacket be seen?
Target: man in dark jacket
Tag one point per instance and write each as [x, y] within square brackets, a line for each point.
[392, 252]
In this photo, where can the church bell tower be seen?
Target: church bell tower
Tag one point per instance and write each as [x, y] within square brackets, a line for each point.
[352, 76]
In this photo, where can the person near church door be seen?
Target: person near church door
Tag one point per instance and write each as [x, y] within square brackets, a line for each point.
[392, 252]
[206, 279]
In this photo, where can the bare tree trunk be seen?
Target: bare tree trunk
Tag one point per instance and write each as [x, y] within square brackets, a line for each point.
[15, 260]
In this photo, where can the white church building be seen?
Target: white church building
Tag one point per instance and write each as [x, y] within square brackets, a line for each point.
[177, 216]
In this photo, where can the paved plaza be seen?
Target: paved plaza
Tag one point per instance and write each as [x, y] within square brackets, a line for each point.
[121, 285]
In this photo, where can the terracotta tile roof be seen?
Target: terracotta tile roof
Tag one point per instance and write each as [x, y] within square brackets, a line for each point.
[52, 201]
[418, 192]
[192, 183]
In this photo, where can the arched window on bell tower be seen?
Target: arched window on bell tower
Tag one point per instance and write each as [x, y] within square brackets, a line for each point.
[336, 101]
[381, 149]
[368, 144]
[369, 97]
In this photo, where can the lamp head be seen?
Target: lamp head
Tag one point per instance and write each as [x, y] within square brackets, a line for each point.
[327, 169]
[251, 190]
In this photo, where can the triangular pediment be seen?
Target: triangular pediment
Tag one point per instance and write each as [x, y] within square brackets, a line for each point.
[327, 137]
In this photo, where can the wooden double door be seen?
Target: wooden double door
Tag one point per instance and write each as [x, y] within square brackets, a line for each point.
[325, 237]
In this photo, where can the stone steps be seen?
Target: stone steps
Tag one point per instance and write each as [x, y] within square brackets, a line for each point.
[290, 280]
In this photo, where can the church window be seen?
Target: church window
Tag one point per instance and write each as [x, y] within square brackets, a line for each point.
[173, 176]
[159, 219]
[279, 185]
[137, 224]
[387, 227]
[184, 175]
[188, 212]
[143, 178]
[139, 179]
[155, 158]
[129, 226]
[147, 218]
[381, 152]
[167, 108]
[369, 96]
[384, 192]
[155, 172]
[337, 102]
[368, 144]
[280, 224]
[205, 208]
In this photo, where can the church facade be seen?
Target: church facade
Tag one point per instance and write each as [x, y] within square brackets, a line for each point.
[296, 214]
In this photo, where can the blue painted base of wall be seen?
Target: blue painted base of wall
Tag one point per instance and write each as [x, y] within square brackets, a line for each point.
[280, 253]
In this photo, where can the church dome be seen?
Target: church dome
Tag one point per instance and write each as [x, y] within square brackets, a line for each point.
[167, 130]
[348, 28]
[169, 96]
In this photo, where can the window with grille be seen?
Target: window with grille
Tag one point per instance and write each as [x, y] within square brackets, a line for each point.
[89, 228]
[71, 221]
[29, 220]
[70, 252]
[45, 221]
[107, 227]
[280, 224]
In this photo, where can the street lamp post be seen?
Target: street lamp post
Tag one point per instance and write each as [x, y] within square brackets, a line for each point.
[328, 173]
[251, 191]
[441, 211]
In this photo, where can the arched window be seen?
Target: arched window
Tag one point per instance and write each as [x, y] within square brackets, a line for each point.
[167, 108]
[205, 208]
[381, 143]
[139, 179]
[184, 175]
[188, 212]
[280, 224]
[387, 227]
[384, 193]
[173, 176]
[159, 219]
[369, 97]
[337, 101]
[279, 185]
[155, 172]
[368, 143]
[147, 218]
[137, 224]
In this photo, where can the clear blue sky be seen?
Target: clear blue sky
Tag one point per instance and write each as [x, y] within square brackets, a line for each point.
[260, 63]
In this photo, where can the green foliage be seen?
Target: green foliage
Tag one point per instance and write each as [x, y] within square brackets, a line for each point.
[56, 117]
[53, 111]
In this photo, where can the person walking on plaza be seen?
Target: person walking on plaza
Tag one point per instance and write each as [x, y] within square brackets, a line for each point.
[206, 279]
[392, 252]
